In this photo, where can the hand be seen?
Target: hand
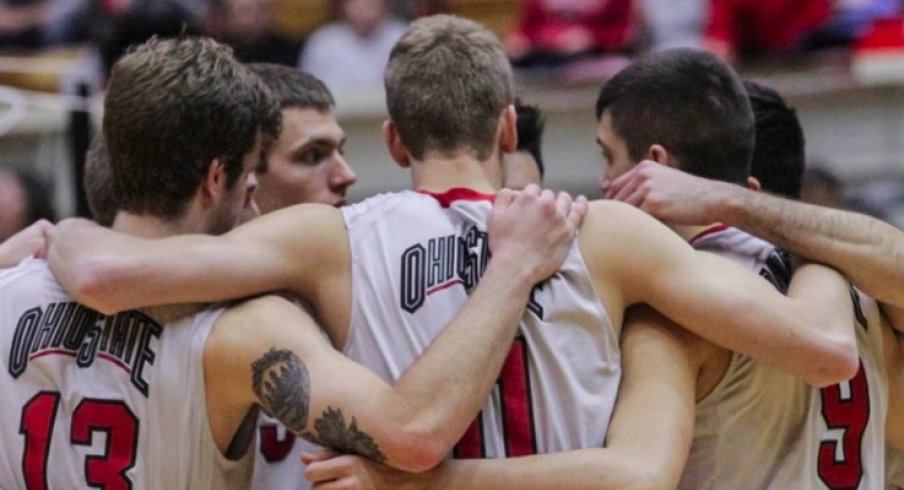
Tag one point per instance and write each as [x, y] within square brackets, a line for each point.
[534, 229]
[28, 242]
[667, 194]
[327, 470]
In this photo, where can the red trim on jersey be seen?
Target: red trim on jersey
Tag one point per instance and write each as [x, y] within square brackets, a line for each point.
[446, 199]
[115, 361]
[447, 285]
[709, 231]
[52, 351]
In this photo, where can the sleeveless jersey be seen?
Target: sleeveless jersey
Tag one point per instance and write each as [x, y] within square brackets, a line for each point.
[415, 257]
[102, 401]
[763, 429]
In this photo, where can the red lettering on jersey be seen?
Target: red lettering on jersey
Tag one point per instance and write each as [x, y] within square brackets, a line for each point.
[851, 415]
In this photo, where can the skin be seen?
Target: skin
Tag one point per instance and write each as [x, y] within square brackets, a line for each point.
[306, 163]
[520, 170]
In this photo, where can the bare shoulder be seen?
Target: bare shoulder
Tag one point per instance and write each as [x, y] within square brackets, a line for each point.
[261, 314]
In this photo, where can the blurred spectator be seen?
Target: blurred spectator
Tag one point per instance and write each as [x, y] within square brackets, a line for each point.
[119, 26]
[21, 23]
[822, 187]
[554, 31]
[247, 26]
[882, 198]
[762, 27]
[525, 165]
[24, 199]
[351, 53]
[675, 23]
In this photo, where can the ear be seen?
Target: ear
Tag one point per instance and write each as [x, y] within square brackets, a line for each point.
[397, 150]
[660, 155]
[214, 180]
[754, 184]
[508, 130]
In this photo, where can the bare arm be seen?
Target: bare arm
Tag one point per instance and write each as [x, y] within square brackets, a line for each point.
[808, 333]
[868, 251]
[647, 444]
[111, 271]
[294, 373]
[29, 242]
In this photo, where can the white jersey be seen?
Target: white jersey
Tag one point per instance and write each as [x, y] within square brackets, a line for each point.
[96, 401]
[415, 257]
[761, 428]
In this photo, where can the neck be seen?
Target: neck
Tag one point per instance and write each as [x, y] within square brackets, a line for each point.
[149, 226]
[438, 174]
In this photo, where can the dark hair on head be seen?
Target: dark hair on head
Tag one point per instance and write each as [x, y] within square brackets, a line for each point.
[691, 103]
[448, 81]
[530, 131]
[98, 182]
[778, 153]
[174, 106]
[294, 88]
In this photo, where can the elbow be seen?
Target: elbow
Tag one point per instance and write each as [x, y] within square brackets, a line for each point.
[648, 476]
[417, 454]
[840, 361]
[90, 284]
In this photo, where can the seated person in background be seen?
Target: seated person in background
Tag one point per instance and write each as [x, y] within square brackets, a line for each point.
[525, 165]
[553, 31]
[21, 22]
[351, 53]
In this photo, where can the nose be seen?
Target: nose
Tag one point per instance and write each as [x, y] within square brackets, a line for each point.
[343, 176]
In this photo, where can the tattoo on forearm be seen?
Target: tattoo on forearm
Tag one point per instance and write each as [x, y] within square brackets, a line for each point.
[281, 382]
[332, 432]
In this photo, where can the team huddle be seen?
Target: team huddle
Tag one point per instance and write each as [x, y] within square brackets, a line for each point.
[229, 323]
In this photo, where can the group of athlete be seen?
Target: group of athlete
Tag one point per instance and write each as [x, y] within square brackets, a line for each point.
[210, 331]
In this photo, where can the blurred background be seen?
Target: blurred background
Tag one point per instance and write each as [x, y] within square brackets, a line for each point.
[840, 63]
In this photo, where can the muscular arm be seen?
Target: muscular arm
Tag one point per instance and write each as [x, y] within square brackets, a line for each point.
[283, 250]
[868, 251]
[647, 443]
[808, 333]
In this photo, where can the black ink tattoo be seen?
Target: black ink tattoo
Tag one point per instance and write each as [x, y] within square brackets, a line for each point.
[332, 432]
[281, 382]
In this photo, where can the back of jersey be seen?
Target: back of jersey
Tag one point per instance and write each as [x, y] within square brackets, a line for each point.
[416, 257]
[106, 402]
[762, 428]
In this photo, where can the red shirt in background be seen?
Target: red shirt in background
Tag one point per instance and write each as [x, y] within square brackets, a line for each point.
[604, 25]
[763, 26]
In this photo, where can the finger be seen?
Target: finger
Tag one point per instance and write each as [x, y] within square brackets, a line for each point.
[349, 483]
[531, 189]
[329, 469]
[318, 455]
[505, 198]
[617, 184]
[627, 187]
[637, 198]
[578, 211]
[564, 203]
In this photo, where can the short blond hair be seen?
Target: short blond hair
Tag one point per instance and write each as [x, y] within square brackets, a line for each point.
[447, 82]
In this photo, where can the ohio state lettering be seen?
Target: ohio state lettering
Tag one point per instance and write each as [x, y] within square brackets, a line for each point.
[441, 263]
[70, 329]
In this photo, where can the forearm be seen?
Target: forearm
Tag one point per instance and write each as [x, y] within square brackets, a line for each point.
[592, 469]
[439, 395]
[869, 252]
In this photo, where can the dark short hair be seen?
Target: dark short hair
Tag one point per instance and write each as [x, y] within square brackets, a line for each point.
[98, 182]
[531, 124]
[172, 107]
[691, 103]
[447, 82]
[294, 88]
[778, 153]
